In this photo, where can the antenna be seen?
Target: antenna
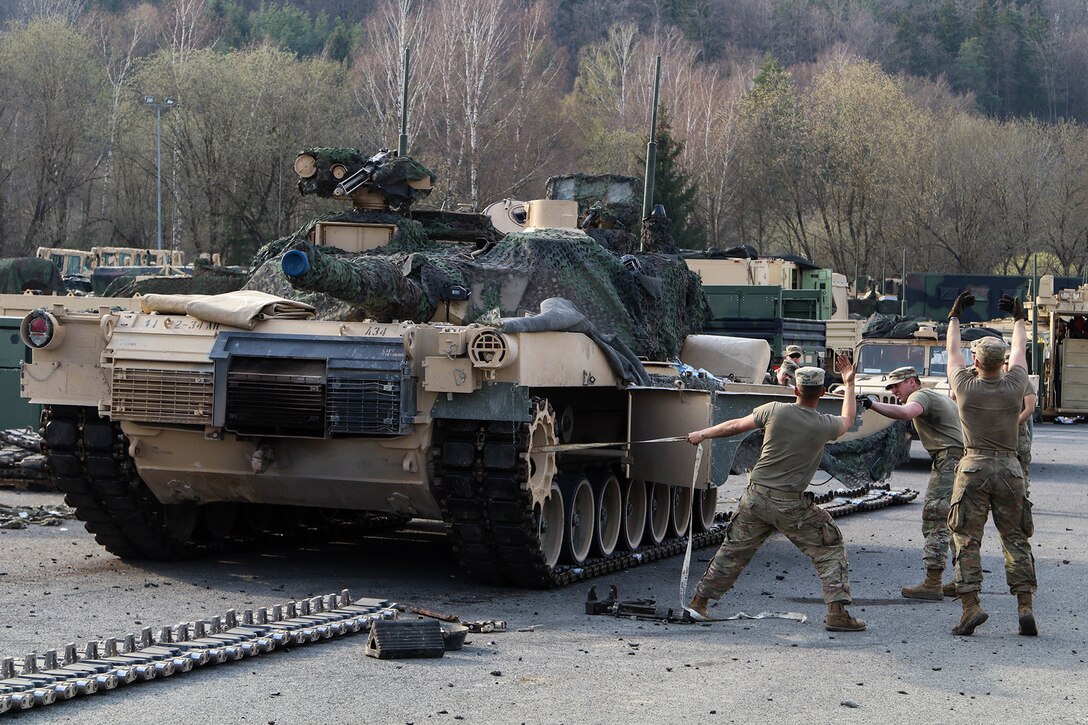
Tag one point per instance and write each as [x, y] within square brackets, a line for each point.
[402, 147]
[651, 149]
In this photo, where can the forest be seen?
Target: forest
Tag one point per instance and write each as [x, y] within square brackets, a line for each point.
[844, 131]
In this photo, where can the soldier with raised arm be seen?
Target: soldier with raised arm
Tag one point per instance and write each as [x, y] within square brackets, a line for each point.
[937, 421]
[989, 477]
[776, 499]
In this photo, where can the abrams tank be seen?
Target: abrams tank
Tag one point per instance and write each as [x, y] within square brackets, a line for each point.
[389, 363]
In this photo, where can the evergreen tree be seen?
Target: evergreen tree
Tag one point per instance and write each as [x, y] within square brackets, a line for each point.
[674, 189]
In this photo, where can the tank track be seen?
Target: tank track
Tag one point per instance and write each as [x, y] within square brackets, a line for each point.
[87, 458]
[55, 676]
[478, 475]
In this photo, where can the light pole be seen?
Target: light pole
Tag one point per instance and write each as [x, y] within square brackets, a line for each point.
[168, 103]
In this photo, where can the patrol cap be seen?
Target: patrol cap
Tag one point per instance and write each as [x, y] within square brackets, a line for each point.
[989, 350]
[809, 376]
[791, 349]
[899, 375]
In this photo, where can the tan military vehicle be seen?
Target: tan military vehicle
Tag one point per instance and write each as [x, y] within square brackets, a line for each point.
[402, 379]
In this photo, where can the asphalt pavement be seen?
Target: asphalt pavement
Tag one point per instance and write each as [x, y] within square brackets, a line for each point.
[558, 665]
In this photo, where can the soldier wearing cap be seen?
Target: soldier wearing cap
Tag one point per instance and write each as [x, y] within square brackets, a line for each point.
[791, 359]
[794, 435]
[937, 421]
[989, 477]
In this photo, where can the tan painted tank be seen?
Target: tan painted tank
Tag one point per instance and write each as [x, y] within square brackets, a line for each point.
[199, 421]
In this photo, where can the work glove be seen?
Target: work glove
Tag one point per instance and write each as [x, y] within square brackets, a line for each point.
[1013, 306]
[965, 300]
[866, 401]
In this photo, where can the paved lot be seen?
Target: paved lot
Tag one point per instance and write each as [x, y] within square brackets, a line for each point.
[57, 586]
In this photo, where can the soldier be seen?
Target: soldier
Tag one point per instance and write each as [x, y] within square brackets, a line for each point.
[989, 477]
[776, 500]
[1027, 428]
[937, 422]
[791, 359]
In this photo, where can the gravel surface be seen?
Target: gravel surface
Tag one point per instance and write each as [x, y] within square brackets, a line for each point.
[558, 665]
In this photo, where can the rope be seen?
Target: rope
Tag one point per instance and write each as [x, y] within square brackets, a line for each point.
[583, 446]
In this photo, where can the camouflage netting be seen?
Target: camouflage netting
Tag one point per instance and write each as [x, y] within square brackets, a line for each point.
[861, 462]
[206, 279]
[20, 274]
[618, 198]
[389, 174]
[650, 304]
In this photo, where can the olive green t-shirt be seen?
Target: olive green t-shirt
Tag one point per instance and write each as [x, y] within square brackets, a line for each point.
[939, 424]
[793, 444]
[989, 409]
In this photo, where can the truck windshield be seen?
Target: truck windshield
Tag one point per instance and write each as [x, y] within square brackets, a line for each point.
[882, 359]
[938, 360]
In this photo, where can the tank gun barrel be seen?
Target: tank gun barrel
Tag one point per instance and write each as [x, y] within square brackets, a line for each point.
[375, 284]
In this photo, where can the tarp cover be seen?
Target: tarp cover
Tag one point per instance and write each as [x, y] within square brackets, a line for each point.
[20, 274]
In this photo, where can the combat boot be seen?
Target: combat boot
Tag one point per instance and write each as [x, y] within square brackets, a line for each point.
[1027, 617]
[949, 589]
[929, 589]
[839, 620]
[973, 614]
[699, 606]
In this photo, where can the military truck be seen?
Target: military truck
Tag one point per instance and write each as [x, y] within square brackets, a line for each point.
[425, 366]
[1064, 374]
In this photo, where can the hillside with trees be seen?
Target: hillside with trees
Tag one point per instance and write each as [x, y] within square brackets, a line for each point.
[842, 131]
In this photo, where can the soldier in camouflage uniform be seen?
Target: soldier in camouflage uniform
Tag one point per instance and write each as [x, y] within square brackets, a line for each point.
[791, 359]
[776, 500]
[937, 422]
[989, 477]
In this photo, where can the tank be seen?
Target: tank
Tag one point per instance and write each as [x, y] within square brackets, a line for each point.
[388, 363]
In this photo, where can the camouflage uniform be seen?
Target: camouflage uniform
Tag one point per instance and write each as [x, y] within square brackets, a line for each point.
[776, 500]
[989, 477]
[939, 430]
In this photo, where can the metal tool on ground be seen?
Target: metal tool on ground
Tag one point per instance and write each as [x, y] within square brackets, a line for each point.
[62, 675]
[649, 609]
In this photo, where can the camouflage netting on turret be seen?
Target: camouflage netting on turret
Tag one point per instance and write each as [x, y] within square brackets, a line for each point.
[619, 197]
[650, 304]
[206, 279]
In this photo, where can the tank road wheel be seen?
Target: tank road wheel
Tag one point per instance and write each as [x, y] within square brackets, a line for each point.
[180, 520]
[608, 516]
[633, 523]
[580, 513]
[549, 519]
[680, 511]
[658, 514]
[706, 508]
[218, 519]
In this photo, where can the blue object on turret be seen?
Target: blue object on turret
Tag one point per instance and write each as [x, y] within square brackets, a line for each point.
[295, 263]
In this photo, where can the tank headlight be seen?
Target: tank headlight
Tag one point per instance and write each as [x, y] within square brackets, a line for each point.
[40, 330]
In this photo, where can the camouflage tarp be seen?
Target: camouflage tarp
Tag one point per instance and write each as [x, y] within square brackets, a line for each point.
[20, 274]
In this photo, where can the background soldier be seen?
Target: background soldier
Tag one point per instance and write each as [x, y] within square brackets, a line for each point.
[938, 424]
[776, 500]
[989, 476]
[791, 359]
[1027, 428]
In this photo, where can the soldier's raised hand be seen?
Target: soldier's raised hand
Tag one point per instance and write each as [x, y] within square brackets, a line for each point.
[844, 367]
[965, 300]
[1013, 306]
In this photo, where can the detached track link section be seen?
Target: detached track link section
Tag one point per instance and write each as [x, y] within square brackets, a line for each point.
[479, 476]
[88, 459]
[58, 675]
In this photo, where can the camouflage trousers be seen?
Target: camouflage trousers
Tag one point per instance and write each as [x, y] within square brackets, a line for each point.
[986, 483]
[935, 509]
[808, 526]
